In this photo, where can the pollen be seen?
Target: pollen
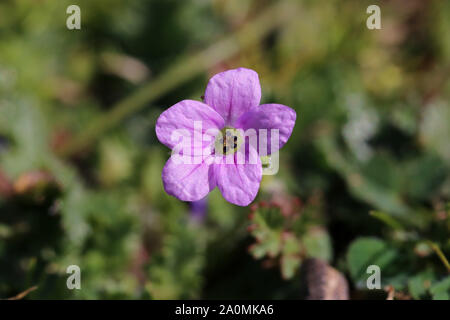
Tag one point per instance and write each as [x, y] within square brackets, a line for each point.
[228, 141]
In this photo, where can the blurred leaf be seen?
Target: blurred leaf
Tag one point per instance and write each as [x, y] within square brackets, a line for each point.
[434, 129]
[441, 290]
[317, 243]
[364, 252]
[289, 265]
[115, 161]
[175, 272]
[419, 284]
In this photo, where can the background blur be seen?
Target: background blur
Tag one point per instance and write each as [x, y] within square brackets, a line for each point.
[363, 180]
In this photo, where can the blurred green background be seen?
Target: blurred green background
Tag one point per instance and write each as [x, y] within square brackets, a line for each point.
[364, 178]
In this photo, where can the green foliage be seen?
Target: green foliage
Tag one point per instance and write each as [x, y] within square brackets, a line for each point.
[80, 164]
[364, 252]
[175, 272]
[288, 236]
[419, 284]
[441, 290]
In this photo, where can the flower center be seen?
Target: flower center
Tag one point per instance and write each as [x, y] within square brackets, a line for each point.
[228, 141]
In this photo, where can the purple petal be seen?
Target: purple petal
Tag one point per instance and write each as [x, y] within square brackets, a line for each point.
[199, 209]
[187, 182]
[239, 183]
[182, 116]
[232, 93]
[269, 116]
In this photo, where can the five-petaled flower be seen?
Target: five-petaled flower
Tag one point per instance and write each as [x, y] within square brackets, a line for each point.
[231, 106]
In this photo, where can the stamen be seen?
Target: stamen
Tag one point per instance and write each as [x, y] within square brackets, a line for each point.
[228, 142]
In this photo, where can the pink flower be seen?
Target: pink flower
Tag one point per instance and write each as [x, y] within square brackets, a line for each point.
[231, 107]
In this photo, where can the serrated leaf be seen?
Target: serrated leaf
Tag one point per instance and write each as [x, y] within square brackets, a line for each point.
[317, 243]
[291, 245]
[419, 284]
[270, 246]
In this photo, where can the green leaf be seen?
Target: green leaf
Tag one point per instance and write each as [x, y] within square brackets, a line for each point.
[434, 129]
[270, 245]
[317, 243]
[441, 290]
[290, 259]
[419, 284]
[364, 252]
[289, 265]
[268, 233]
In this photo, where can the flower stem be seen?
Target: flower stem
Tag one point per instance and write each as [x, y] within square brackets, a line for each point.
[440, 254]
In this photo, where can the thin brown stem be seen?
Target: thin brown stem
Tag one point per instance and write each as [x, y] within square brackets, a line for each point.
[440, 254]
[23, 294]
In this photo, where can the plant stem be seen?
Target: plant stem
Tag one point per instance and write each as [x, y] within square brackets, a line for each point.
[440, 254]
[23, 294]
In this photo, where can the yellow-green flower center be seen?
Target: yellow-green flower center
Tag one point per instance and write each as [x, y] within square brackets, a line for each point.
[228, 141]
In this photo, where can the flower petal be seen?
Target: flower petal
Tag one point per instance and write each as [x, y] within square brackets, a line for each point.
[187, 182]
[239, 183]
[233, 92]
[182, 116]
[269, 116]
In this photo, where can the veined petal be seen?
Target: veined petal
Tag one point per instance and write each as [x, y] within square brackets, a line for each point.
[268, 117]
[231, 93]
[187, 182]
[239, 183]
[179, 121]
